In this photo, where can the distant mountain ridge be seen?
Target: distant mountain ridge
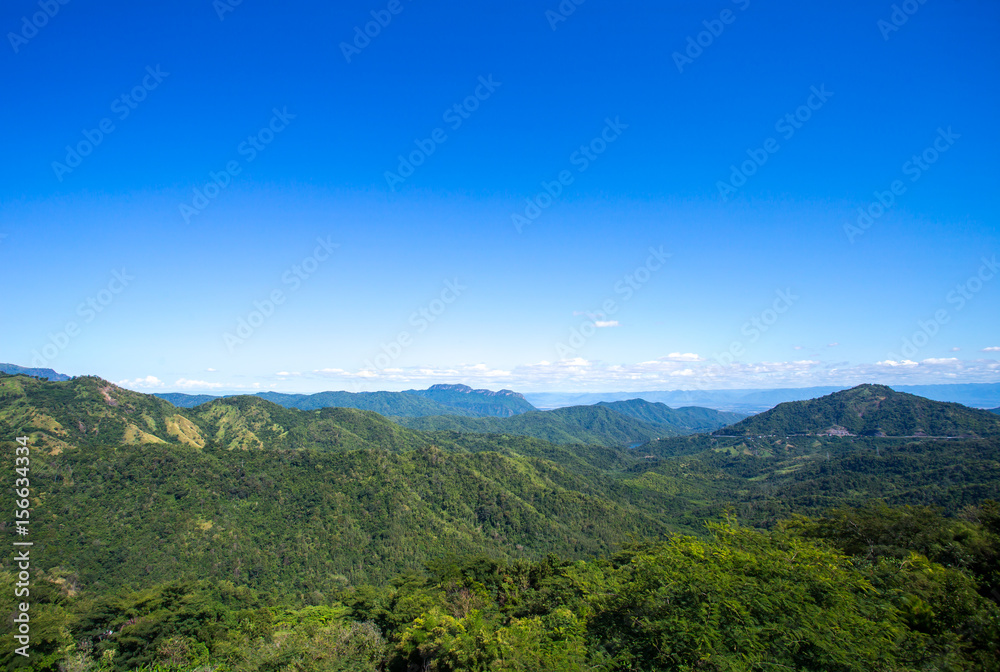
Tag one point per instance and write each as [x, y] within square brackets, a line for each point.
[14, 369]
[459, 400]
[596, 425]
[503, 403]
[976, 395]
[868, 410]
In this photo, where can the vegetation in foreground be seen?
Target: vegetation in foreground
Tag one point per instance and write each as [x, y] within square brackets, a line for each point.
[875, 588]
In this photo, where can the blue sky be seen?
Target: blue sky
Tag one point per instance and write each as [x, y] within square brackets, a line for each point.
[625, 196]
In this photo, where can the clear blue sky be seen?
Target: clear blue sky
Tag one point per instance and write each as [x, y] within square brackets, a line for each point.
[754, 284]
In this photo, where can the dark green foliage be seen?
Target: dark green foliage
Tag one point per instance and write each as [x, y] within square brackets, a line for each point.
[306, 520]
[736, 599]
[870, 410]
[572, 424]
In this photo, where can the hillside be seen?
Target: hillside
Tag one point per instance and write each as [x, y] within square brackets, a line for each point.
[687, 419]
[307, 520]
[869, 410]
[574, 424]
[89, 411]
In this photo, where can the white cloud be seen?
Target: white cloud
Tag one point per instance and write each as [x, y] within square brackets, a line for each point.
[211, 370]
[682, 357]
[185, 384]
[675, 371]
[992, 348]
[832, 345]
[147, 383]
[606, 323]
[955, 349]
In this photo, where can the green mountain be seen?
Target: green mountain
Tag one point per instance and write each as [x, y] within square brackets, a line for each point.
[687, 419]
[503, 403]
[256, 537]
[573, 424]
[869, 410]
[995, 410]
[14, 369]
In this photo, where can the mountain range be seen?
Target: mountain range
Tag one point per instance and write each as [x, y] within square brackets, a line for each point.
[749, 401]
[137, 505]
[441, 399]
[619, 423]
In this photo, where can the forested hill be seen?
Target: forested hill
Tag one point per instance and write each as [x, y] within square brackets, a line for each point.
[869, 410]
[686, 419]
